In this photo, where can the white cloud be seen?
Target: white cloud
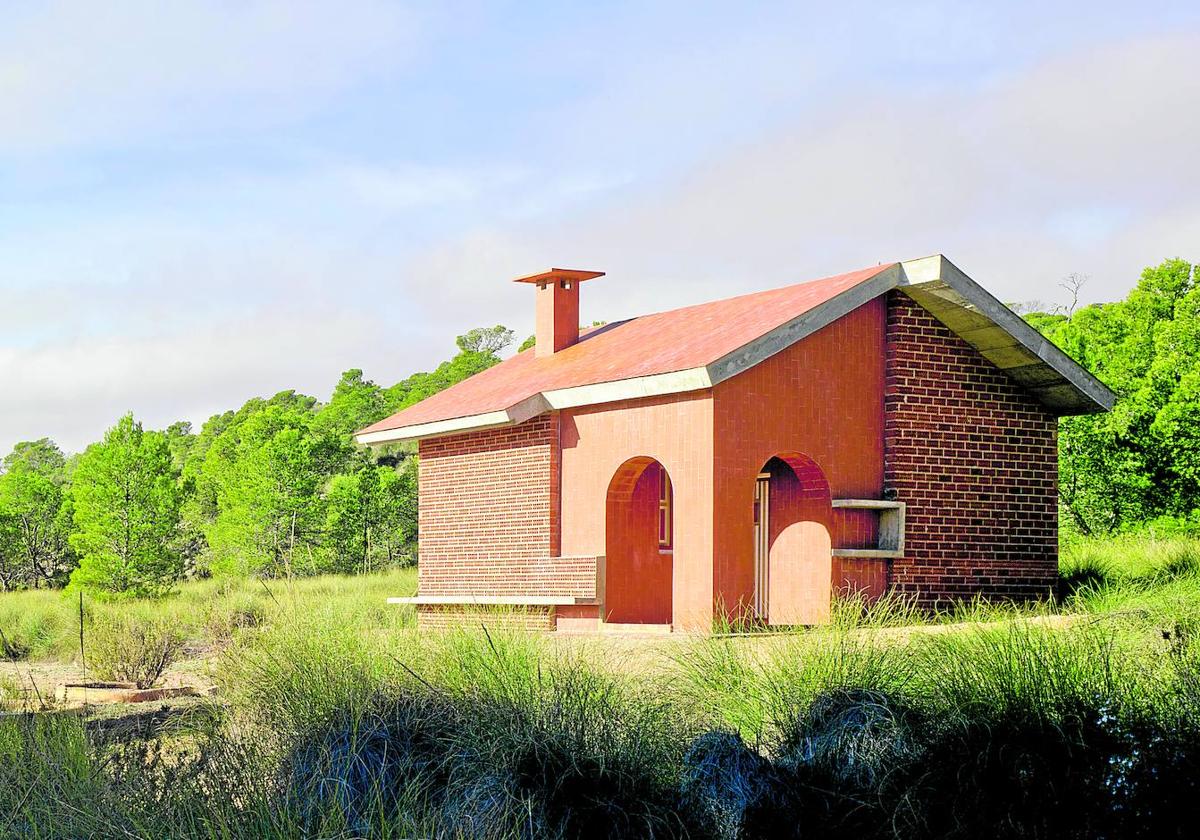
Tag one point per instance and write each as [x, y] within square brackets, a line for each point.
[1102, 136]
[75, 72]
[72, 390]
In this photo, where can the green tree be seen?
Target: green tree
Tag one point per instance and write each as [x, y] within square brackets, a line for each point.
[180, 440]
[13, 569]
[34, 537]
[355, 403]
[126, 513]
[42, 456]
[485, 340]
[266, 474]
[372, 517]
[1142, 460]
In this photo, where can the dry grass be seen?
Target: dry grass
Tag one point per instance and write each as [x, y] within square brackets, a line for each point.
[44, 625]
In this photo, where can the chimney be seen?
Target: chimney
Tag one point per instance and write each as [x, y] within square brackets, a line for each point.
[557, 307]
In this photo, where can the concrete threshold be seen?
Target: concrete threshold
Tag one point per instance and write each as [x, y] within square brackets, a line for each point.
[636, 629]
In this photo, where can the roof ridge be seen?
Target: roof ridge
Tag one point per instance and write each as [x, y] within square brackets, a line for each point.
[744, 295]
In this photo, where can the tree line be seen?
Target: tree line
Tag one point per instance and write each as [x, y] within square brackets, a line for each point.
[1139, 464]
[277, 487]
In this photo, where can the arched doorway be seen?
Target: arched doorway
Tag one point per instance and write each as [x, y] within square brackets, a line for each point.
[639, 544]
[793, 556]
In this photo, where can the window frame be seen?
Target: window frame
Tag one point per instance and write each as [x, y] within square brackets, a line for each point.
[666, 513]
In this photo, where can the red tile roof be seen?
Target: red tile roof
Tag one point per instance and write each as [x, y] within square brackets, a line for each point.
[664, 342]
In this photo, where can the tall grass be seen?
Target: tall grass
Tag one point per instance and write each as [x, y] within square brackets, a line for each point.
[1157, 580]
[1011, 730]
[492, 731]
[337, 724]
[44, 624]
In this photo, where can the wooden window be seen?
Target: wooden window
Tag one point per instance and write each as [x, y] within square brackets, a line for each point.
[666, 539]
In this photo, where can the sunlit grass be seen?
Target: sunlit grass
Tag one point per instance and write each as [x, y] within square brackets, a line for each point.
[44, 624]
[1071, 718]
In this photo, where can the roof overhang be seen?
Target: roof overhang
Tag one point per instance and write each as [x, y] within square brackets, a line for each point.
[1002, 337]
[526, 409]
[965, 307]
[676, 382]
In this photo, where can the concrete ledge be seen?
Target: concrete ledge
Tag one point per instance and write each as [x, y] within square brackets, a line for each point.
[867, 504]
[495, 600]
[891, 528]
[655, 629]
[866, 553]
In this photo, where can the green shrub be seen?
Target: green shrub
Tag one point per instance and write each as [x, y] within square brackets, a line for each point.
[12, 650]
[1080, 571]
[11, 690]
[209, 612]
[892, 609]
[232, 614]
[344, 721]
[477, 735]
[42, 623]
[1180, 559]
[132, 648]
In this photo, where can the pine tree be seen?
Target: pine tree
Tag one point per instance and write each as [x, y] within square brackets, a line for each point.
[126, 511]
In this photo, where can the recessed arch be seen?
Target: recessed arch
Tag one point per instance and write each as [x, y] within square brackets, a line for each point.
[639, 544]
[793, 553]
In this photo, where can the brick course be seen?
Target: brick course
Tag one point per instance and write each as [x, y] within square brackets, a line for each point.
[489, 511]
[507, 618]
[976, 459]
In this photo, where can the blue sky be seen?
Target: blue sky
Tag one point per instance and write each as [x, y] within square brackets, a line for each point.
[202, 202]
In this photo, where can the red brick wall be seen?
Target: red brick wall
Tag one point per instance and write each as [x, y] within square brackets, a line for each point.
[489, 511]
[573, 577]
[975, 458]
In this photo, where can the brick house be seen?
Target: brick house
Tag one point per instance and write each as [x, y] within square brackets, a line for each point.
[893, 427]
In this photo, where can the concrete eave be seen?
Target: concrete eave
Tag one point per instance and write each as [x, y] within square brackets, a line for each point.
[658, 385]
[526, 409]
[1003, 338]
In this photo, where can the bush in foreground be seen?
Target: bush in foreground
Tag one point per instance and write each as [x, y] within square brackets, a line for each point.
[133, 648]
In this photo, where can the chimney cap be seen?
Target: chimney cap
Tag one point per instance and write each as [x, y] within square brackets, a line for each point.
[554, 275]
